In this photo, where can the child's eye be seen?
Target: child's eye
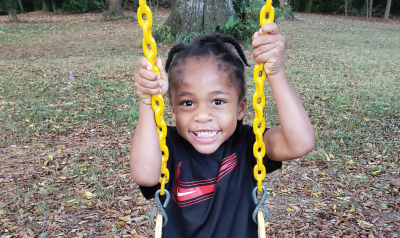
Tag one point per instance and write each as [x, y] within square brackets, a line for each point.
[188, 103]
[218, 102]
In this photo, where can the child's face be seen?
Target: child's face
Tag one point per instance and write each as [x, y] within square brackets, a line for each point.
[205, 104]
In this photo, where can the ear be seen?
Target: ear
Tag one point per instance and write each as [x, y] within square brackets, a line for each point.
[242, 108]
[172, 111]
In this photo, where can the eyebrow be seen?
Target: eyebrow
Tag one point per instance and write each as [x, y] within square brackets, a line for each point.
[218, 92]
[189, 93]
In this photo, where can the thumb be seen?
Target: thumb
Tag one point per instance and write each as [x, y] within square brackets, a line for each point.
[160, 66]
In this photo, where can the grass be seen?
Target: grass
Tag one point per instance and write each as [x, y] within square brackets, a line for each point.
[346, 73]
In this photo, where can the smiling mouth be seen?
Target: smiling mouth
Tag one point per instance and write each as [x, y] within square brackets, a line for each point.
[205, 134]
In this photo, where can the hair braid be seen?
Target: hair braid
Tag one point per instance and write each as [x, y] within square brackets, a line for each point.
[171, 54]
[237, 46]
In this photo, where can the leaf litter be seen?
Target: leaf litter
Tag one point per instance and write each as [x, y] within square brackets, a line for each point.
[70, 177]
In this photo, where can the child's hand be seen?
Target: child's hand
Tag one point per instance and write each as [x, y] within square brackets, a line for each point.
[148, 83]
[269, 48]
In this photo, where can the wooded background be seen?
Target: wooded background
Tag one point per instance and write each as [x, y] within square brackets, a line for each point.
[355, 7]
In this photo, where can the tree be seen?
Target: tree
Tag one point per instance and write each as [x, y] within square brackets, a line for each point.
[370, 9]
[286, 7]
[198, 15]
[21, 6]
[11, 7]
[387, 11]
[309, 5]
[115, 7]
[45, 7]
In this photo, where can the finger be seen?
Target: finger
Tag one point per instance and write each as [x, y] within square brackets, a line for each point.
[144, 63]
[161, 67]
[270, 57]
[267, 39]
[263, 49]
[149, 75]
[147, 83]
[148, 91]
[269, 28]
[255, 35]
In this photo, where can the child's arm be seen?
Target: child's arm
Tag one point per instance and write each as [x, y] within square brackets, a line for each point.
[295, 138]
[145, 159]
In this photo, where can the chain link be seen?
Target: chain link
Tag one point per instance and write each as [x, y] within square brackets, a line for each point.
[145, 19]
[259, 103]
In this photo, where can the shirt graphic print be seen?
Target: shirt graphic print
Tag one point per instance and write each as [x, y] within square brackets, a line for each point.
[189, 193]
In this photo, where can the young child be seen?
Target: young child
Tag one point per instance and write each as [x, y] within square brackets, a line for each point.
[211, 153]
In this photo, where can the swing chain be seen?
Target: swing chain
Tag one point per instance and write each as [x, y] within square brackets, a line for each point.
[260, 204]
[259, 103]
[145, 19]
[160, 207]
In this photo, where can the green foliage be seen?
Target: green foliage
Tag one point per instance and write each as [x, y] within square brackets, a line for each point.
[188, 37]
[81, 6]
[164, 34]
[75, 6]
[231, 26]
[249, 13]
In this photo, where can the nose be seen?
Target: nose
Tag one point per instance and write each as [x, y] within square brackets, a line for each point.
[203, 114]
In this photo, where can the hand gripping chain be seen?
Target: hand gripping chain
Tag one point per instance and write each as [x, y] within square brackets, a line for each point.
[259, 122]
[145, 19]
[259, 103]
[157, 102]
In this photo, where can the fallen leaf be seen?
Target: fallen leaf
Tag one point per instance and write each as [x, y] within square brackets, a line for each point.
[364, 223]
[306, 192]
[88, 194]
[138, 236]
[352, 208]
[340, 185]
[125, 218]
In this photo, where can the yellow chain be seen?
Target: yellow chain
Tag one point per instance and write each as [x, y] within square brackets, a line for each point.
[145, 19]
[259, 103]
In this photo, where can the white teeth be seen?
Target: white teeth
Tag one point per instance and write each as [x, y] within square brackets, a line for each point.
[206, 133]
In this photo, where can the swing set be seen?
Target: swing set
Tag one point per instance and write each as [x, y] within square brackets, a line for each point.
[157, 102]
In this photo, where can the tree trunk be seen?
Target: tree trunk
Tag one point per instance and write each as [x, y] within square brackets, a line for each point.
[296, 5]
[387, 11]
[370, 9]
[107, 4]
[45, 8]
[217, 13]
[115, 7]
[286, 7]
[345, 8]
[53, 4]
[21, 6]
[367, 9]
[309, 5]
[13, 15]
[198, 15]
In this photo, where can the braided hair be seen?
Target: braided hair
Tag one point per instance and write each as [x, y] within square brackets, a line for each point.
[206, 46]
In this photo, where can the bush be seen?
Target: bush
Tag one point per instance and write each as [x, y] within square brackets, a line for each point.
[164, 34]
[81, 6]
[248, 12]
